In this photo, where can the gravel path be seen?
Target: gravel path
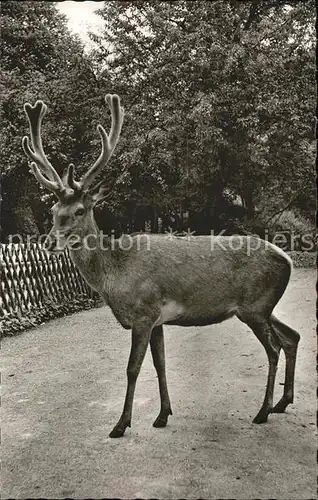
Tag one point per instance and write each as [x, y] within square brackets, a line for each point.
[63, 387]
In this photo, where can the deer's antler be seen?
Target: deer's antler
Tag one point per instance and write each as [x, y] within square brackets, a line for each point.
[52, 181]
[69, 178]
[108, 142]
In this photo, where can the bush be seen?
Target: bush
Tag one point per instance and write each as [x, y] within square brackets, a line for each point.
[291, 232]
[303, 259]
[292, 221]
[16, 323]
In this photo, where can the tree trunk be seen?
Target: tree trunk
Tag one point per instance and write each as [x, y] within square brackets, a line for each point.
[249, 205]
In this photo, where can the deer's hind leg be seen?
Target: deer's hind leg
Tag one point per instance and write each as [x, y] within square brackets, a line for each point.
[265, 333]
[289, 339]
[158, 356]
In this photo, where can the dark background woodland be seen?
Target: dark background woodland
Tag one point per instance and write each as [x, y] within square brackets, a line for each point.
[219, 104]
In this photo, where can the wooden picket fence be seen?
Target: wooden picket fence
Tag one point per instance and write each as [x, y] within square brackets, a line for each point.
[29, 277]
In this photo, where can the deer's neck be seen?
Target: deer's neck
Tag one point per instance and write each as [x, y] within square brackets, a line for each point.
[93, 258]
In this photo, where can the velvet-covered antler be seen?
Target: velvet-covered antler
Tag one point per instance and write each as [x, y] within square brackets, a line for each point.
[40, 164]
[52, 181]
[108, 142]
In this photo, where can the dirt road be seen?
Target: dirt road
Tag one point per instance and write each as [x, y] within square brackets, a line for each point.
[63, 387]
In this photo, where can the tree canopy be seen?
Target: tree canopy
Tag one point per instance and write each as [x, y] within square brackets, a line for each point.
[219, 104]
[220, 95]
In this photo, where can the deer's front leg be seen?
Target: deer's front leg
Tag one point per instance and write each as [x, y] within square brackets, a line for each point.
[139, 342]
[158, 356]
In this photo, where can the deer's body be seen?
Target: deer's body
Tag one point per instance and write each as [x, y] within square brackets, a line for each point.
[151, 280]
[188, 282]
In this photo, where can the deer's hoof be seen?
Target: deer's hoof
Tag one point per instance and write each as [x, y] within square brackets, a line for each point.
[117, 432]
[162, 419]
[160, 422]
[261, 417]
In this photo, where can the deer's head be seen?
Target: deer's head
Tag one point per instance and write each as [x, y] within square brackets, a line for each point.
[73, 213]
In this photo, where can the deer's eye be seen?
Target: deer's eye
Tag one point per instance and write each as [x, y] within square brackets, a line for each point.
[79, 211]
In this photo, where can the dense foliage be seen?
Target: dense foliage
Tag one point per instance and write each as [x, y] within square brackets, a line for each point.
[219, 100]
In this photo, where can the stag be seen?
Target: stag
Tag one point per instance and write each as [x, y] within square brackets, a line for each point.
[158, 280]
